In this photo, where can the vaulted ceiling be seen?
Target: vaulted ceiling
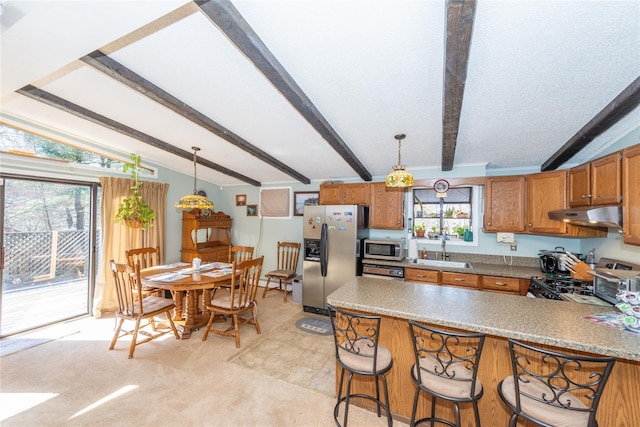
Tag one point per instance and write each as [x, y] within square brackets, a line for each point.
[279, 91]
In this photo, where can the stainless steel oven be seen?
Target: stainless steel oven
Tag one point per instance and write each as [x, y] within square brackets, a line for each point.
[383, 272]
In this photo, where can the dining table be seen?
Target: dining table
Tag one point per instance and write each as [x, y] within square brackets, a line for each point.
[197, 284]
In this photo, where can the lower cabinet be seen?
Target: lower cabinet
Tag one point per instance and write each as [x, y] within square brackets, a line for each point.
[507, 285]
[463, 280]
[420, 275]
[510, 285]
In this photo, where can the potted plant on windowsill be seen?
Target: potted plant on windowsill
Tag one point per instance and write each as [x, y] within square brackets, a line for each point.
[134, 210]
[419, 229]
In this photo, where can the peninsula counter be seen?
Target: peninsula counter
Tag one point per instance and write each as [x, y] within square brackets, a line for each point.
[548, 323]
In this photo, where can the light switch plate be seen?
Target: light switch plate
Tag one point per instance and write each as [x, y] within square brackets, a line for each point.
[505, 237]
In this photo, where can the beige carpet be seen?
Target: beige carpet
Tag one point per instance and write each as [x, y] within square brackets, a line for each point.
[294, 356]
[77, 381]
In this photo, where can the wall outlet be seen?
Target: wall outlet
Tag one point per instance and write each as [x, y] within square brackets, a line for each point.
[514, 246]
[505, 237]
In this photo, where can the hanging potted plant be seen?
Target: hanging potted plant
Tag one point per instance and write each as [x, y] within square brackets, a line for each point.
[134, 210]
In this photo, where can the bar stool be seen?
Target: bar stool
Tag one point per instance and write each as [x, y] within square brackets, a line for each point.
[554, 388]
[359, 352]
[446, 367]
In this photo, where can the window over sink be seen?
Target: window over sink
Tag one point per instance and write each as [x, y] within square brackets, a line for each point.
[453, 216]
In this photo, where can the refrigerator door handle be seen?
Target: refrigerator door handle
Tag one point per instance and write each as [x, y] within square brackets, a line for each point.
[324, 250]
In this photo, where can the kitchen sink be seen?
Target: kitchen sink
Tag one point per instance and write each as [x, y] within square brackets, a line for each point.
[437, 263]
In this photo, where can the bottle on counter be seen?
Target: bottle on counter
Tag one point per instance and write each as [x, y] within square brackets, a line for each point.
[423, 253]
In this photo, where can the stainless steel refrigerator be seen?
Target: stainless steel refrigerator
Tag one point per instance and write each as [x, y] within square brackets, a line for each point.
[333, 237]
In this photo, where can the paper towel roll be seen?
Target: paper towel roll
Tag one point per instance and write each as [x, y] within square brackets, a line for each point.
[413, 248]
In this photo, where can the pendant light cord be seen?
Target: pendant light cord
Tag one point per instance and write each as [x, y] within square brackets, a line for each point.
[195, 151]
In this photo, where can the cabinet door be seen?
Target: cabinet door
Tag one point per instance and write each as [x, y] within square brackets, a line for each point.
[505, 203]
[606, 180]
[463, 280]
[631, 199]
[579, 179]
[331, 194]
[420, 275]
[501, 284]
[386, 207]
[546, 192]
[356, 194]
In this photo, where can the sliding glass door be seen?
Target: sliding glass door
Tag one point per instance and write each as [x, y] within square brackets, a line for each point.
[48, 268]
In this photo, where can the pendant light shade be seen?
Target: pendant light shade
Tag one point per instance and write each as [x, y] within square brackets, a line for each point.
[194, 201]
[399, 177]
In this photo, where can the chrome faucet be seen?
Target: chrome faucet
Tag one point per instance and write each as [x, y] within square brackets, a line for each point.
[445, 256]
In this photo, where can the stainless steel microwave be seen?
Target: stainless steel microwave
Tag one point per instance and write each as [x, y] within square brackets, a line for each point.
[608, 282]
[387, 249]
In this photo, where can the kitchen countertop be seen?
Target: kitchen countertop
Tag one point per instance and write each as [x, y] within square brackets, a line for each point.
[482, 268]
[536, 320]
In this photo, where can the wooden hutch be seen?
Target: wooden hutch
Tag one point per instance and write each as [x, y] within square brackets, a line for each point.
[205, 235]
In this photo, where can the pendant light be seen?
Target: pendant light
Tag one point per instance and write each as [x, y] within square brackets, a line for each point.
[194, 201]
[399, 177]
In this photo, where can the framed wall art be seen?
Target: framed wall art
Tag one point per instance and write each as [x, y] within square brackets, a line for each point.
[252, 210]
[304, 198]
[241, 199]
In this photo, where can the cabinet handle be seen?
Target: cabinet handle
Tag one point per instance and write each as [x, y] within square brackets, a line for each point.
[584, 196]
[500, 284]
[458, 279]
[420, 275]
[589, 195]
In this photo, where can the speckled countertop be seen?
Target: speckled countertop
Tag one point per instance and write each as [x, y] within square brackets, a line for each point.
[556, 323]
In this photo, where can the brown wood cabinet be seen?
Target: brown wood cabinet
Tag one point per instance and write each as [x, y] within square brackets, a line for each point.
[508, 285]
[422, 276]
[521, 204]
[598, 182]
[631, 199]
[205, 235]
[463, 280]
[345, 194]
[386, 207]
[546, 191]
[505, 204]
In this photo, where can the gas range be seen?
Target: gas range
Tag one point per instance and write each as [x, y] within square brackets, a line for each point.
[552, 286]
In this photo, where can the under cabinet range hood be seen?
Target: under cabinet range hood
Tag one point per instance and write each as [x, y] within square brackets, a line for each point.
[599, 216]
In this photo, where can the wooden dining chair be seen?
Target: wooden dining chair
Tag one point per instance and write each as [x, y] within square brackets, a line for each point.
[237, 254]
[240, 253]
[147, 257]
[286, 269]
[132, 305]
[242, 297]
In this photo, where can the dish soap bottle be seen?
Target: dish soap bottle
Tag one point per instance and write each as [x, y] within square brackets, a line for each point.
[591, 258]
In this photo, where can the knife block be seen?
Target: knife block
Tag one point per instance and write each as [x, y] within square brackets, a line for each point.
[581, 270]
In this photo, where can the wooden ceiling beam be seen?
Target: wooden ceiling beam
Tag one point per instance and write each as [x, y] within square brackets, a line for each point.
[78, 111]
[227, 18]
[124, 75]
[621, 105]
[459, 28]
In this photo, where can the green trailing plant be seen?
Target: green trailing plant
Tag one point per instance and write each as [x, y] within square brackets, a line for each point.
[419, 227]
[134, 210]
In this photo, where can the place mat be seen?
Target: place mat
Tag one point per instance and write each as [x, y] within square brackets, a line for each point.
[294, 356]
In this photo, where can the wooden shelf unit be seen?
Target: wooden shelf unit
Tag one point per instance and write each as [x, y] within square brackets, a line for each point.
[205, 235]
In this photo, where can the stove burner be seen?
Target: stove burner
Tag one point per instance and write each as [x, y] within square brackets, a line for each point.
[551, 286]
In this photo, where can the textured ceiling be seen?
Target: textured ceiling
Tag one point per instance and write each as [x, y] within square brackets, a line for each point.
[538, 71]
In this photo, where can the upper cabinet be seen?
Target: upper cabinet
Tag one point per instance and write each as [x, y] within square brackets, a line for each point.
[546, 192]
[385, 209]
[521, 204]
[345, 194]
[505, 204]
[631, 199]
[596, 183]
